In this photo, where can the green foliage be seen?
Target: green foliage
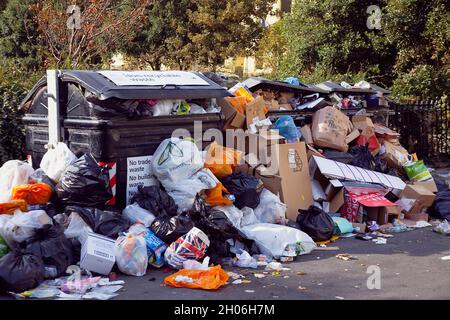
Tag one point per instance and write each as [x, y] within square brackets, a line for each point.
[329, 39]
[185, 34]
[12, 136]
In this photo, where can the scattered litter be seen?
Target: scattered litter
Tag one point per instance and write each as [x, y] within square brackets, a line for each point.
[301, 288]
[345, 256]
[443, 228]
[235, 276]
[325, 248]
[250, 291]
[259, 275]
[421, 224]
[300, 273]
[339, 298]
[276, 266]
[238, 281]
[380, 241]
[445, 258]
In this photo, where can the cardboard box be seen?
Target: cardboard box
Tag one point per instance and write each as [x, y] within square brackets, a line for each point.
[330, 128]
[429, 184]
[295, 181]
[285, 107]
[255, 109]
[272, 182]
[395, 155]
[97, 254]
[337, 201]
[417, 217]
[423, 197]
[361, 122]
[261, 145]
[307, 134]
[383, 215]
[359, 227]
[312, 152]
[352, 136]
[233, 118]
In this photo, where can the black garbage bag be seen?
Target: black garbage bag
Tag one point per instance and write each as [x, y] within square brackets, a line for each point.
[245, 189]
[109, 223]
[362, 157]
[316, 223]
[215, 224]
[344, 157]
[84, 183]
[52, 246]
[155, 200]
[170, 228]
[20, 271]
[441, 205]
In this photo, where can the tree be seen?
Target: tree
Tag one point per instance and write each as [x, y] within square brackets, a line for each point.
[103, 24]
[185, 34]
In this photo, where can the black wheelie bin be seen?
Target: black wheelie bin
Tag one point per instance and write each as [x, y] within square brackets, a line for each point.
[99, 114]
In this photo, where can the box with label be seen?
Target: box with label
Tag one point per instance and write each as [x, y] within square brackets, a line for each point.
[97, 254]
[423, 197]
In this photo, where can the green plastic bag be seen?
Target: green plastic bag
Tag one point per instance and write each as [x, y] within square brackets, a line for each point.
[417, 171]
[3, 247]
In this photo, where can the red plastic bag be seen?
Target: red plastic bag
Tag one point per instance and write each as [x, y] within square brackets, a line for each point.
[211, 279]
[11, 206]
[374, 144]
[38, 193]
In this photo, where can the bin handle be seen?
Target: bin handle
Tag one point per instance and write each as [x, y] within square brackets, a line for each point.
[169, 85]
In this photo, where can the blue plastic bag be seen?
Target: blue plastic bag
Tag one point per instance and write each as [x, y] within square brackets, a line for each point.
[287, 128]
[343, 226]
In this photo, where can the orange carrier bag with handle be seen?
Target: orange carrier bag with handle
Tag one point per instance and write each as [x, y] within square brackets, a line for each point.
[221, 160]
[211, 279]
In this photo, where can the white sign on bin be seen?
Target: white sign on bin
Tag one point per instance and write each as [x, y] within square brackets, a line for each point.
[154, 78]
[139, 173]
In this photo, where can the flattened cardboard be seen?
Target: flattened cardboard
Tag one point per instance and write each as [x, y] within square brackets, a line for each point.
[352, 136]
[417, 216]
[336, 170]
[295, 180]
[233, 118]
[423, 197]
[337, 202]
[362, 122]
[429, 184]
[395, 155]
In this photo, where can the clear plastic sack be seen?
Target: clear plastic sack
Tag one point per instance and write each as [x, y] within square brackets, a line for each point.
[131, 255]
[270, 208]
[56, 160]
[12, 173]
[77, 228]
[135, 214]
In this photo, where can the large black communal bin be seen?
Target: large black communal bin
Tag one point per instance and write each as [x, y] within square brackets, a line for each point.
[89, 122]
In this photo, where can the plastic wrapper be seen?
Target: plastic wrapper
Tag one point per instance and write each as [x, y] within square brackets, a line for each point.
[191, 246]
[176, 160]
[22, 226]
[270, 208]
[56, 160]
[20, 271]
[155, 247]
[287, 128]
[274, 239]
[77, 228]
[169, 229]
[316, 223]
[135, 214]
[38, 193]
[13, 205]
[211, 279]
[84, 183]
[417, 171]
[105, 222]
[12, 173]
[221, 160]
[52, 246]
[131, 255]
[248, 217]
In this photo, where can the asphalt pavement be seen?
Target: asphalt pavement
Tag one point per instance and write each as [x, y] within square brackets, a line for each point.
[410, 267]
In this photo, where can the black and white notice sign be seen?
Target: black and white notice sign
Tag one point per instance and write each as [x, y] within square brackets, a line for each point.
[139, 173]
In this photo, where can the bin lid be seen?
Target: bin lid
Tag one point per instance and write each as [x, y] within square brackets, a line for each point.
[255, 83]
[140, 84]
[330, 86]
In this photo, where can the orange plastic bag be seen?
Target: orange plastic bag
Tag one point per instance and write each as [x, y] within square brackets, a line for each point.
[11, 206]
[214, 196]
[221, 160]
[38, 193]
[211, 279]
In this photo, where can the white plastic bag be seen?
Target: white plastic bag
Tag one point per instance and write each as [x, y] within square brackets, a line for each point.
[245, 260]
[270, 208]
[131, 255]
[23, 224]
[77, 228]
[195, 265]
[56, 160]
[135, 214]
[176, 160]
[249, 217]
[272, 239]
[233, 214]
[196, 109]
[163, 107]
[185, 191]
[12, 173]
